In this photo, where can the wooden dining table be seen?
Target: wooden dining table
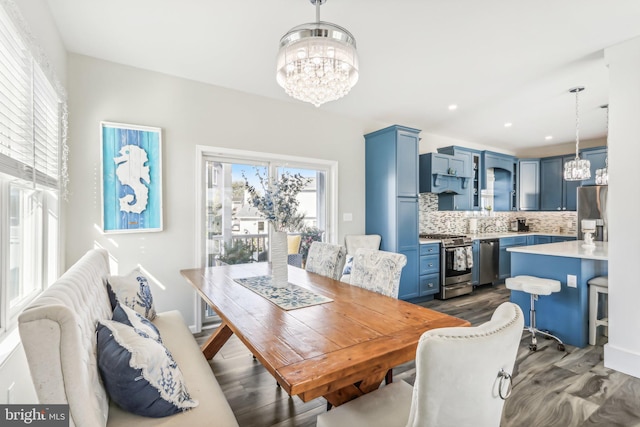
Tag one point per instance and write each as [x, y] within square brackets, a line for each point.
[338, 350]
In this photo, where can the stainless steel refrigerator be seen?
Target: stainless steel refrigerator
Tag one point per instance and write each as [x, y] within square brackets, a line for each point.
[592, 204]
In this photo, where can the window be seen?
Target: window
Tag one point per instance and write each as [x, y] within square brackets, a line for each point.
[30, 143]
[233, 231]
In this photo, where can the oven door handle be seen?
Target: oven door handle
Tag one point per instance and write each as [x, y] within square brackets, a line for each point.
[452, 249]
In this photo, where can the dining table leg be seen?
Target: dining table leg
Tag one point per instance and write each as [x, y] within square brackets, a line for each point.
[367, 385]
[216, 341]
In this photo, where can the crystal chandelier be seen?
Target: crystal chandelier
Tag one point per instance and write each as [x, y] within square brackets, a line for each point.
[317, 62]
[577, 169]
[602, 175]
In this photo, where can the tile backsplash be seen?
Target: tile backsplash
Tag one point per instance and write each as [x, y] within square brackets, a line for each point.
[434, 221]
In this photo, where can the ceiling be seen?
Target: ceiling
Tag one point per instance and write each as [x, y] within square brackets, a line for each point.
[499, 61]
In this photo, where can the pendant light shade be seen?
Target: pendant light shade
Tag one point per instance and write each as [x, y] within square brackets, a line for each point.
[577, 169]
[317, 62]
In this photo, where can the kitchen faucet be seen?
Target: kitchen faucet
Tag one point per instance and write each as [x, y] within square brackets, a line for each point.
[484, 227]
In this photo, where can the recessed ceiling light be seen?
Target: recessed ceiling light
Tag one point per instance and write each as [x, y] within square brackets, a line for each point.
[453, 107]
[548, 137]
[508, 125]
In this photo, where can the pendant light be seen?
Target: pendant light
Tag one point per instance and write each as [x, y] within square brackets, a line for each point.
[317, 62]
[577, 169]
[602, 175]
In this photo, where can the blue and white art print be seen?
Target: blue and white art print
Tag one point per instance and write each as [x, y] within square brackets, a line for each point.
[131, 178]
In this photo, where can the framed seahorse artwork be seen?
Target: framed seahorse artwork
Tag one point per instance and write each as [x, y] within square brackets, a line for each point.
[131, 158]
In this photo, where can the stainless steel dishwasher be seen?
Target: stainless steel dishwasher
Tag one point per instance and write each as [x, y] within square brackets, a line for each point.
[489, 260]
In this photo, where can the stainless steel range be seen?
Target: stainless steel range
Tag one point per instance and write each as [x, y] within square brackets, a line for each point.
[456, 261]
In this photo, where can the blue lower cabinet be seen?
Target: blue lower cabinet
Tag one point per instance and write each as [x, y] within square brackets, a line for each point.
[540, 240]
[555, 239]
[504, 269]
[429, 284]
[408, 284]
[475, 270]
[429, 280]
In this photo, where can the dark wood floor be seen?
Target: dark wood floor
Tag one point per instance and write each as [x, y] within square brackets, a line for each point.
[551, 388]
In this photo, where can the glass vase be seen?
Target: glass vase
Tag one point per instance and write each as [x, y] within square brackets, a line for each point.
[278, 256]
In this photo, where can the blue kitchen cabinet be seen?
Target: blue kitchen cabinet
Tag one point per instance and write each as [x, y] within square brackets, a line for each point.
[555, 239]
[391, 191]
[475, 270]
[504, 266]
[569, 189]
[556, 194]
[529, 184]
[504, 169]
[540, 240]
[429, 270]
[469, 199]
[442, 173]
[597, 157]
[551, 184]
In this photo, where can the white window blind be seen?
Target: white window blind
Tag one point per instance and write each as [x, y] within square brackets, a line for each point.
[29, 113]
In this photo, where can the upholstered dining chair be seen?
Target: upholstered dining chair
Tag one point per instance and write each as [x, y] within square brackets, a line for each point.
[353, 242]
[326, 259]
[378, 271]
[462, 379]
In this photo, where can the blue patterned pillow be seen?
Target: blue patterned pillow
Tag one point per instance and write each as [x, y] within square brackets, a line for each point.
[139, 373]
[130, 317]
[347, 265]
[133, 291]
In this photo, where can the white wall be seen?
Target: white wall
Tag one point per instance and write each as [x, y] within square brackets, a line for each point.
[623, 350]
[190, 114]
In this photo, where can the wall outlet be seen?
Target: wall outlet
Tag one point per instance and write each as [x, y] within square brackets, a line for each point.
[572, 281]
[346, 217]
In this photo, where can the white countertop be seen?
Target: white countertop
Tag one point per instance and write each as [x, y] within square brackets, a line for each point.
[499, 235]
[572, 249]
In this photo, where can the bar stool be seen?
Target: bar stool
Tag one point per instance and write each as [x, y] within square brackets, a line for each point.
[535, 286]
[597, 285]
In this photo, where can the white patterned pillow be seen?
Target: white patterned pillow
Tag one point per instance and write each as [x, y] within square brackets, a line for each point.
[139, 373]
[133, 291]
[139, 323]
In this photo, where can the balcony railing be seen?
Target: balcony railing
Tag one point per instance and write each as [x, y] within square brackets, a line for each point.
[256, 244]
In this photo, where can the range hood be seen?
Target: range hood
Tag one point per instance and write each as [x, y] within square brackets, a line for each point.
[449, 184]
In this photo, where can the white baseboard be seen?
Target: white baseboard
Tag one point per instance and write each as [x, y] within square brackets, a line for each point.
[622, 360]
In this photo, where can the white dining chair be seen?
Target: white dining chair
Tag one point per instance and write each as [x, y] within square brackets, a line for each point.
[378, 271]
[462, 379]
[353, 242]
[326, 259]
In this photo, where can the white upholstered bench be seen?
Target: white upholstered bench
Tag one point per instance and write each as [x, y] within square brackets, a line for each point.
[58, 331]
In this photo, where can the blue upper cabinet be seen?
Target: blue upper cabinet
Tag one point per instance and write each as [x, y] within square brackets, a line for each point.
[551, 184]
[391, 173]
[556, 194]
[504, 184]
[529, 184]
[597, 158]
[469, 197]
[442, 173]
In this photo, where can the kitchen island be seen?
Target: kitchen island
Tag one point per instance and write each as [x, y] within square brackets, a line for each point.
[565, 313]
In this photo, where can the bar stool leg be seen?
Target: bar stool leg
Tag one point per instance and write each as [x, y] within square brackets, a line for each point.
[532, 324]
[593, 314]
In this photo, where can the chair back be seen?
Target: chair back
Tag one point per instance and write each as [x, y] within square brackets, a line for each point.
[353, 242]
[326, 259]
[457, 372]
[378, 271]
